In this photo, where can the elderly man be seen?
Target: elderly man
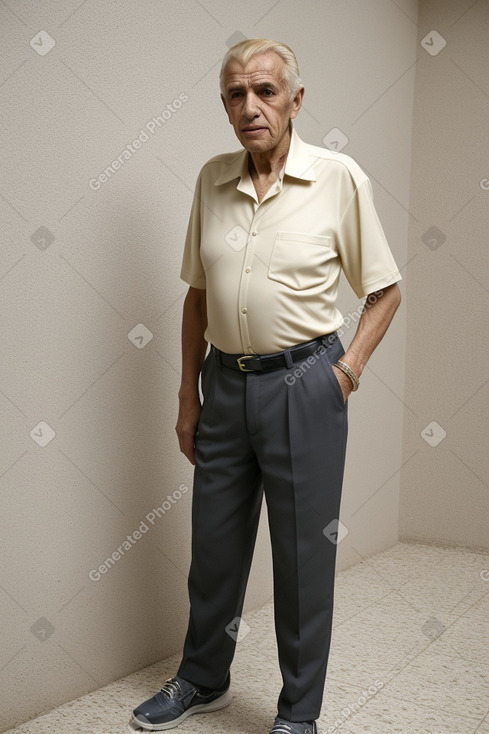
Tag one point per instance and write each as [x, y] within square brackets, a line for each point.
[270, 230]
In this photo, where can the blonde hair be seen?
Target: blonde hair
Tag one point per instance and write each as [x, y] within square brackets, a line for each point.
[245, 50]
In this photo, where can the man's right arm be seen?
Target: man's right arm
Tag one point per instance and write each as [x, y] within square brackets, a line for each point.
[194, 348]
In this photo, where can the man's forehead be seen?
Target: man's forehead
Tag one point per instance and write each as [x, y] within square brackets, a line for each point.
[258, 69]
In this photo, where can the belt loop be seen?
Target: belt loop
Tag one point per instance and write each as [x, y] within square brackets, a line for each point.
[288, 358]
[217, 355]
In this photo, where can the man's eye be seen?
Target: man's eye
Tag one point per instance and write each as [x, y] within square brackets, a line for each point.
[267, 92]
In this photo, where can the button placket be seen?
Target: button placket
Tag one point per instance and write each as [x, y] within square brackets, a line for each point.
[244, 282]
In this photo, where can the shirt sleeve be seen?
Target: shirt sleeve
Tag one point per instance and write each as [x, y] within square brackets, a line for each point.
[192, 270]
[366, 258]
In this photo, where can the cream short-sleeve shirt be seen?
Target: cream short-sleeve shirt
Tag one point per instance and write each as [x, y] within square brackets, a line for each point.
[271, 270]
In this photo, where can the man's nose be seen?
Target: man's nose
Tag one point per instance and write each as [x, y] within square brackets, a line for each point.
[250, 105]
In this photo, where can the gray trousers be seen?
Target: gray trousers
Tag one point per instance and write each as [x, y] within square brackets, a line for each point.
[282, 433]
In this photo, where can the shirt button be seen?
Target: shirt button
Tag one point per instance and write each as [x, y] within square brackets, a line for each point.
[248, 270]
[254, 234]
[244, 309]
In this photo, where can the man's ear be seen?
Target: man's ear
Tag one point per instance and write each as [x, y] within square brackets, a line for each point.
[297, 103]
[224, 103]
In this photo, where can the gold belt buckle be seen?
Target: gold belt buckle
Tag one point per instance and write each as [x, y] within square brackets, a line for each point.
[241, 365]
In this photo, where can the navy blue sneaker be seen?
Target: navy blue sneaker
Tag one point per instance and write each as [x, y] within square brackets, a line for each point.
[282, 726]
[177, 699]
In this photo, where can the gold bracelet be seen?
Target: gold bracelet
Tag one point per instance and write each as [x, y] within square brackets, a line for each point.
[348, 371]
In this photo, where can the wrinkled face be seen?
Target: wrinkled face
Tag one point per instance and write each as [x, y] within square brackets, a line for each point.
[257, 101]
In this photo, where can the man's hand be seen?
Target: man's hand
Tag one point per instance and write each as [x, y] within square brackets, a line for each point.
[193, 353]
[345, 382]
[188, 418]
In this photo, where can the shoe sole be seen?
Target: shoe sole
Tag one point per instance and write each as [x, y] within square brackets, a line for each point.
[136, 725]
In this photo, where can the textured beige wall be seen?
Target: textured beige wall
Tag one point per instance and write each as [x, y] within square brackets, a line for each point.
[445, 475]
[90, 303]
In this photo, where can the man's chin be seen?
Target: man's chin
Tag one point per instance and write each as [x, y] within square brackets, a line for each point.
[256, 145]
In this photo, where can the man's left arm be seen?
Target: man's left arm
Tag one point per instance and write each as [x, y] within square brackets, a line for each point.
[372, 326]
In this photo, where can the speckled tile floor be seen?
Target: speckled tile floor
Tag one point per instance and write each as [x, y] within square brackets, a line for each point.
[409, 655]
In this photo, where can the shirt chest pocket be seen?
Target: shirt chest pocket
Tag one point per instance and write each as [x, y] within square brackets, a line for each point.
[300, 261]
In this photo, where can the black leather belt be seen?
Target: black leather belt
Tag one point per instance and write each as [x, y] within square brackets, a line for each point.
[275, 361]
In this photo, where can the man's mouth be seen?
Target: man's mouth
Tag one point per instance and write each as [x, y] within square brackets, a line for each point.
[253, 130]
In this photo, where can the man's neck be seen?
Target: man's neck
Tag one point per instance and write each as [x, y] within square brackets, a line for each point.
[269, 164]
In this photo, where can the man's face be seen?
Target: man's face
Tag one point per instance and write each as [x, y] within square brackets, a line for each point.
[257, 101]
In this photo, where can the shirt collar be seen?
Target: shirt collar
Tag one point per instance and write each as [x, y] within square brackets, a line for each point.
[299, 163]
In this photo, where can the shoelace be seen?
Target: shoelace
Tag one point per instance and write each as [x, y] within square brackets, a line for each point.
[171, 688]
[281, 728]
